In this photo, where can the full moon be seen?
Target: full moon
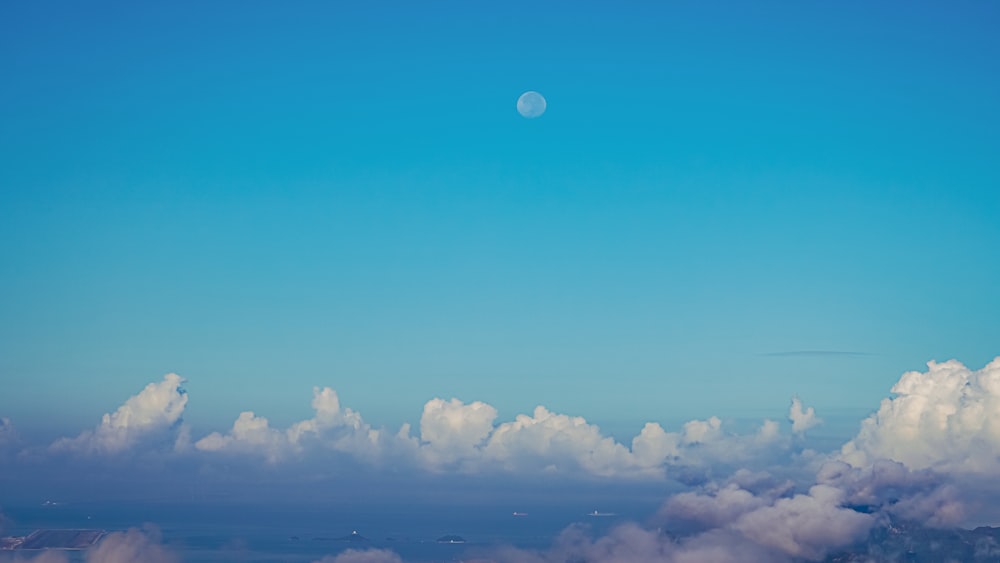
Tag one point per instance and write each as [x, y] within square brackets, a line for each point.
[531, 104]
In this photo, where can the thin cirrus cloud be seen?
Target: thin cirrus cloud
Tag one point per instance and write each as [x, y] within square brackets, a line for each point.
[816, 354]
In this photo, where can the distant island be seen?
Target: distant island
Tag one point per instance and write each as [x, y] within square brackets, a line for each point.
[354, 536]
[451, 539]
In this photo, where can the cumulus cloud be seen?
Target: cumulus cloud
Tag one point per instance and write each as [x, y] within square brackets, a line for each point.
[806, 525]
[452, 436]
[552, 442]
[332, 427]
[630, 542]
[457, 435]
[946, 419]
[891, 488]
[769, 514]
[156, 408]
[131, 546]
[363, 556]
[466, 437]
[451, 431]
[692, 511]
[802, 420]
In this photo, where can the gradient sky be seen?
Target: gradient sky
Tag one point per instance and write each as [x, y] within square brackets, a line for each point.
[725, 203]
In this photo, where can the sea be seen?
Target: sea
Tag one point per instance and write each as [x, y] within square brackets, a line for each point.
[305, 532]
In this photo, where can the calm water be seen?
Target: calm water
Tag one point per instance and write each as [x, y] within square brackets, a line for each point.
[231, 531]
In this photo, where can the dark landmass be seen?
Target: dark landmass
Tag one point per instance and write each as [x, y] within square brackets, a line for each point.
[911, 542]
[451, 539]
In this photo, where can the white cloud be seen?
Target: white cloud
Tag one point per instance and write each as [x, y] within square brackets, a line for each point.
[332, 427]
[707, 511]
[455, 436]
[630, 543]
[946, 419]
[799, 526]
[131, 546]
[806, 525]
[802, 420]
[452, 436]
[451, 430]
[553, 442]
[250, 434]
[156, 408]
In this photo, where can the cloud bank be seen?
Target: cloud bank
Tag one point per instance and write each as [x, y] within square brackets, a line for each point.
[927, 455]
[946, 419]
[452, 436]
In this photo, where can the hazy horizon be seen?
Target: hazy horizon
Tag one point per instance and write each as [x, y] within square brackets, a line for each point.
[733, 267]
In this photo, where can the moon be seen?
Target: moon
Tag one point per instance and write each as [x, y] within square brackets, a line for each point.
[531, 104]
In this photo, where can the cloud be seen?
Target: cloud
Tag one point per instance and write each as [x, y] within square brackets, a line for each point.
[454, 436]
[131, 546]
[692, 511]
[547, 441]
[891, 488]
[332, 427]
[924, 457]
[451, 431]
[802, 420]
[630, 542]
[769, 514]
[806, 525]
[946, 419]
[156, 408]
[250, 433]
[363, 556]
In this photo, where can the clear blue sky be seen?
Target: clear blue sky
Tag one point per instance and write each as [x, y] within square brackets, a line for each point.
[264, 198]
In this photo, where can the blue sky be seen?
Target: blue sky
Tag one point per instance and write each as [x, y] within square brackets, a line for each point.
[265, 199]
